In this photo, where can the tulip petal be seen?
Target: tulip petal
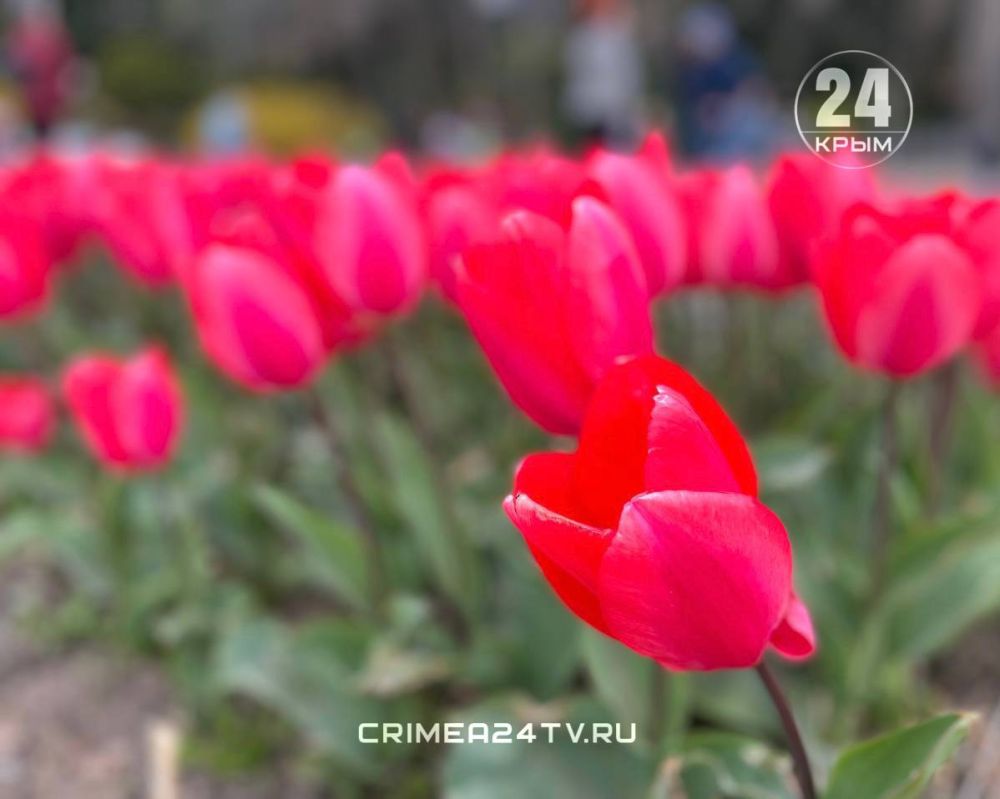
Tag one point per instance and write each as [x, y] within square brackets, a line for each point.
[926, 303]
[683, 456]
[610, 467]
[696, 580]
[509, 291]
[88, 384]
[607, 301]
[794, 637]
[568, 553]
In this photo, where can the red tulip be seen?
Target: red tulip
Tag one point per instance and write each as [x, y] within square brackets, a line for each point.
[651, 531]
[732, 240]
[255, 317]
[536, 180]
[25, 268]
[27, 414]
[369, 242]
[457, 214]
[978, 227]
[807, 197]
[901, 294]
[129, 412]
[138, 211]
[54, 193]
[553, 309]
[639, 190]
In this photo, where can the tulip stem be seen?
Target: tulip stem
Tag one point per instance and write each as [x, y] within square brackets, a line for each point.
[423, 428]
[353, 496]
[800, 760]
[942, 422]
[882, 511]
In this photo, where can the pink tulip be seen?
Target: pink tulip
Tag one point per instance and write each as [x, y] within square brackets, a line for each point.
[129, 411]
[553, 309]
[900, 292]
[640, 191]
[27, 414]
[369, 243]
[732, 240]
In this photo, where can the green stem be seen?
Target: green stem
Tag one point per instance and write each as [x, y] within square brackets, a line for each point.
[353, 497]
[796, 748]
[400, 368]
[882, 511]
[942, 422]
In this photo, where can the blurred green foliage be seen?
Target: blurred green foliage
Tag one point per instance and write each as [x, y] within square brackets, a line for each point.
[239, 568]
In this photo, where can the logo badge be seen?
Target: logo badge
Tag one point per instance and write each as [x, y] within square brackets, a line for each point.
[853, 109]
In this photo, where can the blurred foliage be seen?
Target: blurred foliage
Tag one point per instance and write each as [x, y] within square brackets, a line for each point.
[239, 567]
[150, 81]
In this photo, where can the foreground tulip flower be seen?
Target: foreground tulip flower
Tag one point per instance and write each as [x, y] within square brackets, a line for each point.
[554, 309]
[900, 293]
[732, 239]
[638, 188]
[27, 414]
[651, 531]
[255, 318]
[129, 411]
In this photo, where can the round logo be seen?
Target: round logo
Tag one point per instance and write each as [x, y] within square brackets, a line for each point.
[853, 109]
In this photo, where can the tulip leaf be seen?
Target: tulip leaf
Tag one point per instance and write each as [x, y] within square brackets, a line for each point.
[717, 765]
[789, 463]
[900, 764]
[335, 552]
[929, 607]
[307, 679]
[419, 500]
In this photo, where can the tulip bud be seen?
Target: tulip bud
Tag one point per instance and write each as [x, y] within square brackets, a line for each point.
[900, 293]
[553, 309]
[732, 240]
[130, 411]
[369, 243]
[25, 269]
[255, 318]
[646, 203]
[139, 213]
[27, 414]
[651, 531]
[807, 197]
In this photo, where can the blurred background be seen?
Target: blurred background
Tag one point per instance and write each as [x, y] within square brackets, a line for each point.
[457, 77]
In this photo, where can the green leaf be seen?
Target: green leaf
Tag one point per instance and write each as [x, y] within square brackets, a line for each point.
[418, 498]
[930, 606]
[334, 550]
[304, 678]
[789, 463]
[898, 765]
[714, 765]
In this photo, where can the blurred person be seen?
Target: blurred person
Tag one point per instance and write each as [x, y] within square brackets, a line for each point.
[224, 126]
[42, 59]
[603, 91]
[724, 103]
